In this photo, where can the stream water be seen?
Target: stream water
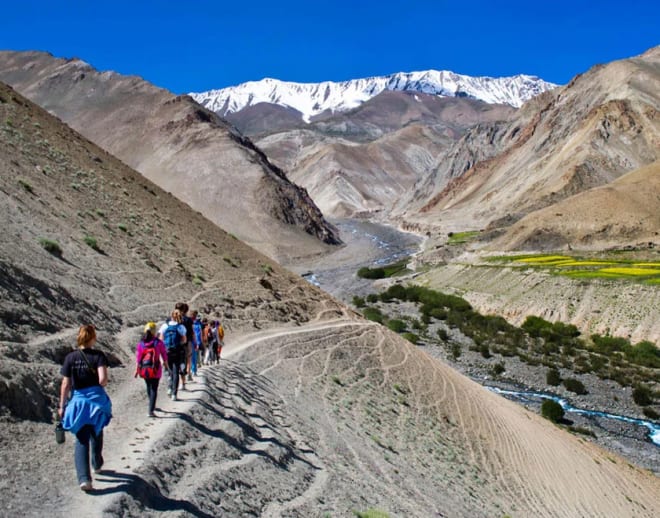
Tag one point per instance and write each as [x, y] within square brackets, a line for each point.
[531, 397]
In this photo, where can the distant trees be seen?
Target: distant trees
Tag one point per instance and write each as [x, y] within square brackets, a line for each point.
[553, 377]
[574, 385]
[642, 395]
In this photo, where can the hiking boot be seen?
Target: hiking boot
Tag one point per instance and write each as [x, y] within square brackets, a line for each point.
[169, 391]
[173, 397]
[190, 377]
[151, 414]
[86, 486]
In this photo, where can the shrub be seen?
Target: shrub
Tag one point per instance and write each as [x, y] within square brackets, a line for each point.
[553, 377]
[455, 350]
[411, 337]
[51, 246]
[644, 353]
[552, 410]
[651, 414]
[396, 291]
[609, 344]
[498, 369]
[371, 513]
[398, 326]
[26, 185]
[641, 395]
[358, 302]
[371, 273]
[122, 227]
[443, 335]
[91, 242]
[373, 314]
[372, 298]
[575, 386]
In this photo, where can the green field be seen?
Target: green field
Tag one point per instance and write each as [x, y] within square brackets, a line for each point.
[588, 268]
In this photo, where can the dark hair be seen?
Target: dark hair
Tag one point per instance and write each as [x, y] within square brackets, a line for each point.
[181, 306]
[148, 336]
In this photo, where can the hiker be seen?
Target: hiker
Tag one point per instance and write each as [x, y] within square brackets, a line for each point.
[173, 335]
[211, 341]
[150, 356]
[198, 348]
[190, 341]
[85, 373]
[220, 333]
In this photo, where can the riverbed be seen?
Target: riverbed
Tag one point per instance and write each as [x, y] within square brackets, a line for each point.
[366, 244]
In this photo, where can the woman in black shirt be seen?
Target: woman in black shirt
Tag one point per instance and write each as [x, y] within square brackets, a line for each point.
[85, 372]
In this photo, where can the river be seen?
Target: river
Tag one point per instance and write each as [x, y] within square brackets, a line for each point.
[529, 397]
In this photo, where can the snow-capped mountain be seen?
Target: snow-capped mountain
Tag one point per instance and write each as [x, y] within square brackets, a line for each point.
[310, 99]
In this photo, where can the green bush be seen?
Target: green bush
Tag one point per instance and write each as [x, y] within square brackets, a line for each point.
[553, 377]
[644, 353]
[497, 369]
[411, 337]
[358, 302]
[651, 414]
[552, 410]
[398, 326]
[396, 291]
[372, 298]
[51, 246]
[91, 242]
[373, 314]
[443, 335]
[642, 395]
[371, 273]
[609, 344]
[574, 385]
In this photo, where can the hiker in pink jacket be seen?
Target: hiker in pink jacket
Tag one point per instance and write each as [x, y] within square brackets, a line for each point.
[150, 356]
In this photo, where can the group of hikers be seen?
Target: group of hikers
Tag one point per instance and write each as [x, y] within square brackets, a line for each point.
[180, 346]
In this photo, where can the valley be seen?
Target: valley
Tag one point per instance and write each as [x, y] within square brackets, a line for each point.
[338, 394]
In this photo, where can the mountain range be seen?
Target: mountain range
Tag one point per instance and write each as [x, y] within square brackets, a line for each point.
[315, 100]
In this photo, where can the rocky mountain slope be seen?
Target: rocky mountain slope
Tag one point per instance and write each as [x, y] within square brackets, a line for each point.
[362, 161]
[600, 126]
[314, 410]
[182, 147]
[314, 99]
[624, 212]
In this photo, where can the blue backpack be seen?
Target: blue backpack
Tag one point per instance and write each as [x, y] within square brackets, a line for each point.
[171, 337]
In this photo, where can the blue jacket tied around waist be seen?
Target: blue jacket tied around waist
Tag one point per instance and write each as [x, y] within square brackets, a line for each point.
[88, 406]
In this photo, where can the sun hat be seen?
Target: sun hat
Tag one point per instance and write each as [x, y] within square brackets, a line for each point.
[150, 326]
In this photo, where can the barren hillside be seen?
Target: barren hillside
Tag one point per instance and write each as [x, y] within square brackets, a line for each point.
[624, 212]
[364, 160]
[182, 147]
[313, 411]
[600, 126]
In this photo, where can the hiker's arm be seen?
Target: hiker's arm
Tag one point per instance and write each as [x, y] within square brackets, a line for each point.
[65, 388]
[103, 375]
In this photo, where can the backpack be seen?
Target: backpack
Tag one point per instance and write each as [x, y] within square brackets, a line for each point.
[171, 337]
[149, 363]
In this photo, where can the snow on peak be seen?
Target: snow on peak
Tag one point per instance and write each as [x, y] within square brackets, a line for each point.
[313, 98]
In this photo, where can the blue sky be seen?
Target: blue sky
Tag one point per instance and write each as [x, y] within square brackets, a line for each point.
[199, 45]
